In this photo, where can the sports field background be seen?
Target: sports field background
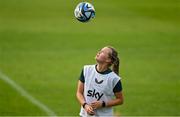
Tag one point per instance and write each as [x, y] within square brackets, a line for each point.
[43, 49]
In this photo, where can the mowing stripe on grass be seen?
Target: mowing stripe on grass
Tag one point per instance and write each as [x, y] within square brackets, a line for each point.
[25, 94]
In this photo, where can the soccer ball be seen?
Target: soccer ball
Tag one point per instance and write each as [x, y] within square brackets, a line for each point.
[84, 11]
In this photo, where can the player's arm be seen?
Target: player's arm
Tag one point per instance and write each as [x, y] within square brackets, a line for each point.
[118, 96]
[80, 89]
[79, 93]
[117, 101]
[80, 96]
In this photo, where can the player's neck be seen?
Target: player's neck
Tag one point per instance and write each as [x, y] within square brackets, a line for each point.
[101, 67]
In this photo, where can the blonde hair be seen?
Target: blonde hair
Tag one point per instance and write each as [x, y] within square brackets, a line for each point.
[115, 60]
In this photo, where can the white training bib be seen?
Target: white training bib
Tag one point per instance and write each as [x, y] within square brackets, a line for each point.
[98, 87]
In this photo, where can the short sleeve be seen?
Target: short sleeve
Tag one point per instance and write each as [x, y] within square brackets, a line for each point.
[81, 78]
[118, 87]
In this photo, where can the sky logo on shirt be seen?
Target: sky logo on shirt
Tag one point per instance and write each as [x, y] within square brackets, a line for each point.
[94, 94]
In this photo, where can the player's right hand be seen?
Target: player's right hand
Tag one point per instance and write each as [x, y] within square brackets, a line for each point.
[89, 109]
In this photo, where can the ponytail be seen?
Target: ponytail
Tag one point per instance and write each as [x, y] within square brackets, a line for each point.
[115, 66]
[115, 60]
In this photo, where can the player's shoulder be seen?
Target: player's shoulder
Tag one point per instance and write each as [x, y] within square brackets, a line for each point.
[115, 76]
[89, 66]
[88, 69]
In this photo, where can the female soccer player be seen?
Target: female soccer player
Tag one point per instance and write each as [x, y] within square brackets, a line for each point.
[99, 84]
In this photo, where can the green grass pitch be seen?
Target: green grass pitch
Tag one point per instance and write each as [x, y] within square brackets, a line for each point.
[43, 49]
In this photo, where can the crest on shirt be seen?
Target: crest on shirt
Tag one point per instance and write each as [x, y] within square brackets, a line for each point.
[98, 82]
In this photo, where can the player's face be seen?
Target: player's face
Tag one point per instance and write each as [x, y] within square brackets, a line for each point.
[103, 55]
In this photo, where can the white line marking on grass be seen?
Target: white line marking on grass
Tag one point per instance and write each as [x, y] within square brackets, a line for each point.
[24, 93]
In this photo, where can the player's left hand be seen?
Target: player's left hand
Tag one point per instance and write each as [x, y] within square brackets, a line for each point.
[96, 104]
